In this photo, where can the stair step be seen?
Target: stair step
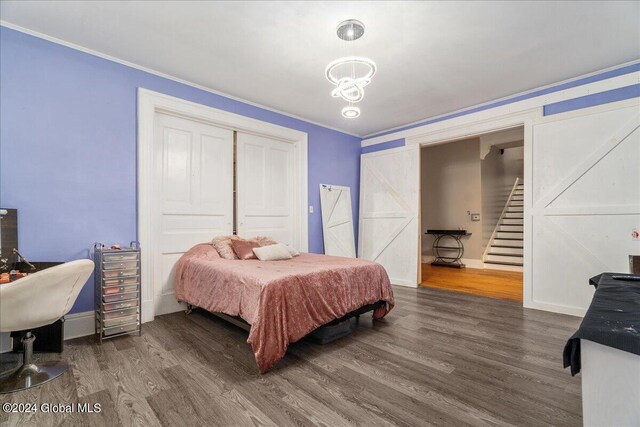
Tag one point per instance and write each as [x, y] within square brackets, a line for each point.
[506, 250]
[518, 228]
[513, 215]
[512, 221]
[515, 264]
[509, 235]
[502, 267]
[516, 203]
[515, 209]
[512, 259]
[518, 198]
[515, 257]
[518, 192]
[515, 243]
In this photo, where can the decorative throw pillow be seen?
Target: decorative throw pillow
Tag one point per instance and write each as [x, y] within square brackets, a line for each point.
[264, 241]
[244, 248]
[222, 244]
[275, 252]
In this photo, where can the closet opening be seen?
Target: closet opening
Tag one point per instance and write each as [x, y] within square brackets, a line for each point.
[472, 214]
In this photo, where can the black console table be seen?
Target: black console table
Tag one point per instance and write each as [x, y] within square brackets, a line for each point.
[448, 248]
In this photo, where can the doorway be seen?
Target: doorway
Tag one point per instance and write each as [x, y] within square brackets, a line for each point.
[472, 214]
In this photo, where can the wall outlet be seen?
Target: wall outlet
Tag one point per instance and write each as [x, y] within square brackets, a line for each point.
[310, 208]
[475, 217]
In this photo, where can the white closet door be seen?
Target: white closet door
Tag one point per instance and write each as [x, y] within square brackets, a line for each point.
[389, 212]
[193, 169]
[337, 220]
[585, 198]
[265, 186]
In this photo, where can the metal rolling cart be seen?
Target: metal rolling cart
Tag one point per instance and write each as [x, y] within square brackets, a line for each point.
[117, 290]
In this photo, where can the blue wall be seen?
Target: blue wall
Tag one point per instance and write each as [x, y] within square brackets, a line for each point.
[68, 148]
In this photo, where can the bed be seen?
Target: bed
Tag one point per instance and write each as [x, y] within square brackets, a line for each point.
[285, 300]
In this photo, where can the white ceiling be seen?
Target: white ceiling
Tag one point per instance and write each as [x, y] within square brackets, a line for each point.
[432, 57]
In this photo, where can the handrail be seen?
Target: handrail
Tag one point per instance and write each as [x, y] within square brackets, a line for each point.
[504, 212]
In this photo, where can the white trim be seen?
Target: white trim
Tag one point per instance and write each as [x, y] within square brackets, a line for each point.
[5, 342]
[76, 325]
[511, 108]
[161, 74]
[527, 244]
[149, 103]
[473, 126]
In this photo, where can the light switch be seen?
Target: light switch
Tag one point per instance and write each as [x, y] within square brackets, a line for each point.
[310, 208]
[475, 217]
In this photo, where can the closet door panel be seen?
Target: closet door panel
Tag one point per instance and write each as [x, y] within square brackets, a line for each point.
[254, 171]
[194, 172]
[265, 187]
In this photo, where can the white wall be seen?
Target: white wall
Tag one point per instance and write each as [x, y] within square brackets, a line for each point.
[499, 172]
[450, 185]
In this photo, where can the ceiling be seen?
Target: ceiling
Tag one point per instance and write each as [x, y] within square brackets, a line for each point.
[432, 57]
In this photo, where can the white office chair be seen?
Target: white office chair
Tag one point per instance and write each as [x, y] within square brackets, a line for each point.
[38, 300]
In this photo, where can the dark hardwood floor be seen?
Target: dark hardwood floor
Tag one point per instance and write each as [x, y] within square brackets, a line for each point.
[439, 358]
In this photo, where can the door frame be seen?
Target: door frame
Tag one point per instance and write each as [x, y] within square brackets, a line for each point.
[469, 127]
[149, 104]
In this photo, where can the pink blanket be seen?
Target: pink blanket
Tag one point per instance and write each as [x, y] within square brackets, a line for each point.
[282, 300]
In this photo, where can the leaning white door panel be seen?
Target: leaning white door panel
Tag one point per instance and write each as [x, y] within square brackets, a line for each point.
[265, 173]
[195, 182]
[337, 220]
[585, 202]
[389, 211]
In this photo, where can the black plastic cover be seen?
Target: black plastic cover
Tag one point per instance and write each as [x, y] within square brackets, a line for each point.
[613, 319]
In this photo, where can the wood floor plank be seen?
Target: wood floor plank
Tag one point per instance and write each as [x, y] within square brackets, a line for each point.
[485, 282]
[439, 358]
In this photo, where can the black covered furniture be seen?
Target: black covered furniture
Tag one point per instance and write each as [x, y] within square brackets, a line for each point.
[613, 319]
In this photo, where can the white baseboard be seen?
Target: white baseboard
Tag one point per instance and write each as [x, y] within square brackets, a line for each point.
[76, 325]
[5, 342]
[79, 325]
[468, 262]
[562, 309]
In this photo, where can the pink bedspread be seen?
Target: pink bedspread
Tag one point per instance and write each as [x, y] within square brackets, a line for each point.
[282, 300]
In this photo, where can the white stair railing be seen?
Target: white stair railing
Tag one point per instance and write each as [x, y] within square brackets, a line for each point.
[502, 215]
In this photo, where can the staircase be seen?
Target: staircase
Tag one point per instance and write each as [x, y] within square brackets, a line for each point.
[505, 248]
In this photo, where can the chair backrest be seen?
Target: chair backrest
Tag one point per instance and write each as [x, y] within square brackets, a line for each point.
[43, 297]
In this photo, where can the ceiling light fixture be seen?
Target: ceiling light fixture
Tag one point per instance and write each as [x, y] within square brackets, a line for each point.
[350, 74]
[341, 73]
[350, 30]
[350, 112]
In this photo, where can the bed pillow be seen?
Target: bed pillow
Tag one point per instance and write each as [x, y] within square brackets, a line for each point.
[275, 252]
[222, 244]
[244, 248]
[292, 251]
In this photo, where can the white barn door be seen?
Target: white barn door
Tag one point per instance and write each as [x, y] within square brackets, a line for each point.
[194, 176]
[265, 173]
[337, 221]
[585, 198]
[389, 212]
